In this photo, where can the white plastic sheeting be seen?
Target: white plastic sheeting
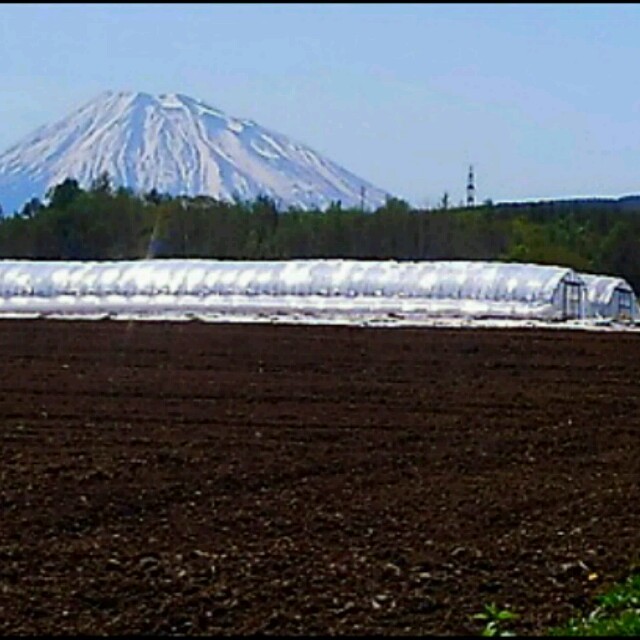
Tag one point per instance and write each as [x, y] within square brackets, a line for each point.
[446, 289]
[610, 297]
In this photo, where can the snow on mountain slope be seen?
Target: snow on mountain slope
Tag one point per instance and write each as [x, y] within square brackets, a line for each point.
[176, 145]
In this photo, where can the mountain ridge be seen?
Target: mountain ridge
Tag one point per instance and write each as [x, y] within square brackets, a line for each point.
[178, 145]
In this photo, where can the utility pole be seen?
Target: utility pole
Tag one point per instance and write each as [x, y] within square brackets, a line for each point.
[363, 193]
[471, 188]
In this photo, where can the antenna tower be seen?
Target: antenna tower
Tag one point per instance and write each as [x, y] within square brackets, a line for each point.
[471, 188]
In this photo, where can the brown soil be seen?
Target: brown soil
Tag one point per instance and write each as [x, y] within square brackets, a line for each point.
[235, 479]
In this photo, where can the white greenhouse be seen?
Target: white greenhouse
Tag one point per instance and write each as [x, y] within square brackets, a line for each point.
[609, 297]
[315, 287]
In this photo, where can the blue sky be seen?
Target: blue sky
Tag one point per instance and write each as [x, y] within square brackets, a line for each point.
[543, 99]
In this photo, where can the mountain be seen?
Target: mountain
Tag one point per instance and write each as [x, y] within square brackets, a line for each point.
[176, 145]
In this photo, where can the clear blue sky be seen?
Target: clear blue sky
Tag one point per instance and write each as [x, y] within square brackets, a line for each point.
[544, 100]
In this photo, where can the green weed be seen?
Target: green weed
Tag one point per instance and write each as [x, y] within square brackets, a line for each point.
[494, 617]
[617, 614]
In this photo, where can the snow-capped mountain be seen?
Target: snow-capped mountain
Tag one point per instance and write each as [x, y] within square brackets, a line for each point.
[176, 145]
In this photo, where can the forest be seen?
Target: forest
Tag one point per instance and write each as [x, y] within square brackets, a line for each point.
[106, 223]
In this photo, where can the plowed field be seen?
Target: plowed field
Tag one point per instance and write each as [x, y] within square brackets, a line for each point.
[234, 479]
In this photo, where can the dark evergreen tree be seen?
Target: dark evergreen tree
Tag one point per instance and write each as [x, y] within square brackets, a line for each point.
[31, 208]
[102, 184]
[63, 194]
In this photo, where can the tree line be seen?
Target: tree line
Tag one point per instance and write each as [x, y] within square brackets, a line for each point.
[106, 223]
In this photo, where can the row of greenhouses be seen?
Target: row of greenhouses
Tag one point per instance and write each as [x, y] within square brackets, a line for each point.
[430, 288]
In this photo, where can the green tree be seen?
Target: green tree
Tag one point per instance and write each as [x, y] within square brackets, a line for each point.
[63, 194]
[102, 184]
[31, 208]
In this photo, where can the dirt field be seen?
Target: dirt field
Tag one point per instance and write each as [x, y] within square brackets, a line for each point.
[236, 479]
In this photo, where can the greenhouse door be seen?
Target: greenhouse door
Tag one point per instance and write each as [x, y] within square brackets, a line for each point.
[572, 300]
[624, 304]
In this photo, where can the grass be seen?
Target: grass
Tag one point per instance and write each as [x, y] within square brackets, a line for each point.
[617, 614]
